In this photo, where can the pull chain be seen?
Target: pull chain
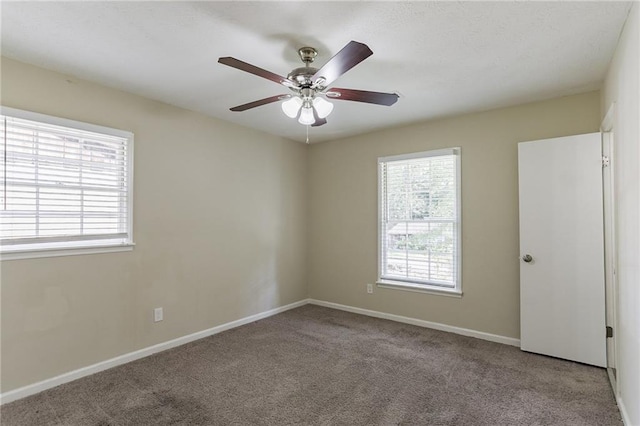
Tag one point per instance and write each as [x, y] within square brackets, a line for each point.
[307, 134]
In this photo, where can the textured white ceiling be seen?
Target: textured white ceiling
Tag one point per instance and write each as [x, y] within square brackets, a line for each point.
[443, 58]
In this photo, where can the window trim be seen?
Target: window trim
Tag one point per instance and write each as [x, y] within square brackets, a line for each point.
[71, 246]
[419, 286]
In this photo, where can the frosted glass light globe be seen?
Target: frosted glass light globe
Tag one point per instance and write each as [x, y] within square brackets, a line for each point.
[306, 116]
[323, 108]
[292, 106]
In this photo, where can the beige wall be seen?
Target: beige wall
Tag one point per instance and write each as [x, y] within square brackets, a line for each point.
[622, 86]
[211, 260]
[343, 211]
[219, 226]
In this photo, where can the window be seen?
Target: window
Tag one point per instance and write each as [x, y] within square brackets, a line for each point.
[419, 221]
[66, 186]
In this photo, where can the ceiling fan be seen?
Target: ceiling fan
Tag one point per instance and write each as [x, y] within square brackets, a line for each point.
[311, 85]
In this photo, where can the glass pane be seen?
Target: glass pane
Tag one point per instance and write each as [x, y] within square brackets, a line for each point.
[398, 206]
[420, 235]
[61, 181]
[420, 205]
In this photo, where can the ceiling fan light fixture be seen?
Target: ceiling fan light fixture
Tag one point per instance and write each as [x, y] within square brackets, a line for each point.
[323, 108]
[292, 106]
[306, 116]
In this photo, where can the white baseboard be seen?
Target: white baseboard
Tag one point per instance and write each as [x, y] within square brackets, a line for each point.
[34, 388]
[621, 406]
[422, 323]
[623, 412]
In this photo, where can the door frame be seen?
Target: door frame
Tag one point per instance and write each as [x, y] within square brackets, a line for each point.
[610, 237]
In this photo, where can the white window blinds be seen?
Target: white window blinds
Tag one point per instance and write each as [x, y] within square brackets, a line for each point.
[419, 218]
[62, 184]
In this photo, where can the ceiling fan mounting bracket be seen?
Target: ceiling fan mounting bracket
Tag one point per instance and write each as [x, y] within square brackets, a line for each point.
[307, 54]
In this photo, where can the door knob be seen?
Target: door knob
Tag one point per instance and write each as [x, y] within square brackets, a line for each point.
[527, 258]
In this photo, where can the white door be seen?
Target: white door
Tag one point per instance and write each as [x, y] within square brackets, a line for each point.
[562, 305]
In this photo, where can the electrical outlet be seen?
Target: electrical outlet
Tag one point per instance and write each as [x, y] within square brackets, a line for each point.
[157, 314]
[369, 288]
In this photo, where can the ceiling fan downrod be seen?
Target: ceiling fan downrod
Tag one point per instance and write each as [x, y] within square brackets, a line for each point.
[304, 75]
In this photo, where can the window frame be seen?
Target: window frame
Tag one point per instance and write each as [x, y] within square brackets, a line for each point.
[422, 287]
[73, 246]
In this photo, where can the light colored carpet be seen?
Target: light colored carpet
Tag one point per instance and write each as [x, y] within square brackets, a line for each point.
[320, 366]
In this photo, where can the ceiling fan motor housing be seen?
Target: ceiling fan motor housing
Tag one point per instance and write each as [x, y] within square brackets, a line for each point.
[302, 76]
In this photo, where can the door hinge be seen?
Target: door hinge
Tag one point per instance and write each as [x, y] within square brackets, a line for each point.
[609, 331]
[605, 161]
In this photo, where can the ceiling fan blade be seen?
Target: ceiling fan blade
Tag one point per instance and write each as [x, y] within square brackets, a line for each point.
[260, 103]
[350, 56]
[319, 121]
[252, 69]
[378, 98]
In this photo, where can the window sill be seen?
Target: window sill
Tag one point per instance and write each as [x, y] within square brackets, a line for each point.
[34, 253]
[418, 288]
